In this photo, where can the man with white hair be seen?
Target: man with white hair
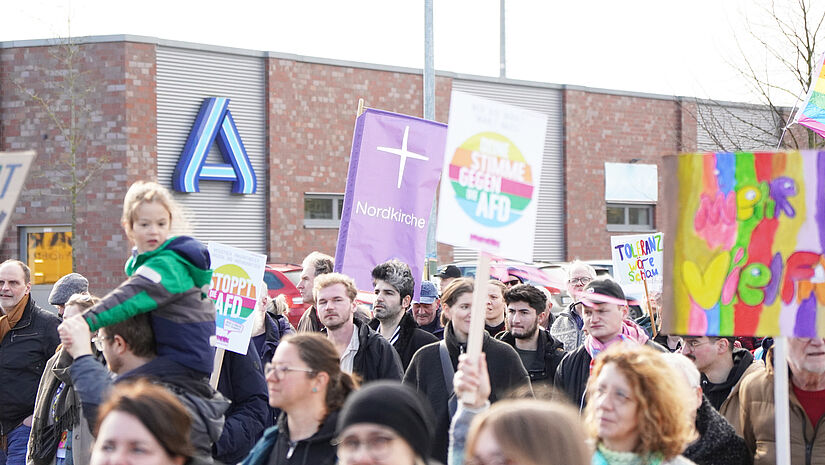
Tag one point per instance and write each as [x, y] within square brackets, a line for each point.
[717, 442]
[806, 398]
[569, 324]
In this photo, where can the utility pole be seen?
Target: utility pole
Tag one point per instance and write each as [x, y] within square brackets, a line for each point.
[429, 114]
[502, 49]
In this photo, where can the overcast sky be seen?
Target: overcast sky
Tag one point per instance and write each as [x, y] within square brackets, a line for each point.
[665, 47]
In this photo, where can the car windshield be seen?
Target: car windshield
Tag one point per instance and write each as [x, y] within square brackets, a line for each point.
[294, 276]
[272, 281]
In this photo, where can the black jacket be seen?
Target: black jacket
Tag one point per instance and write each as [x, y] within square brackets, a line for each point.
[410, 338]
[24, 351]
[376, 358]
[717, 393]
[314, 450]
[425, 374]
[242, 382]
[718, 443]
[574, 371]
[543, 369]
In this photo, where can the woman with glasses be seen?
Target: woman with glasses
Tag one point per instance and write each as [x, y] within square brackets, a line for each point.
[637, 409]
[306, 382]
[385, 423]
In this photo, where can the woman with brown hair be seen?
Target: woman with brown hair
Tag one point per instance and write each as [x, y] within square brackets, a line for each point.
[637, 409]
[431, 366]
[142, 424]
[306, 382]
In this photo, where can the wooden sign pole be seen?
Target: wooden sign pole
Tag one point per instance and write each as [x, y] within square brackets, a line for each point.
[216, 367]
[476, 335]
[650, 310]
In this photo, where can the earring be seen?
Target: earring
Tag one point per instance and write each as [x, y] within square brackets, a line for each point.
[315, 389]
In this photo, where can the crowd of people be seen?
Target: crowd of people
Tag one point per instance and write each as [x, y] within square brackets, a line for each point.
[126, 378]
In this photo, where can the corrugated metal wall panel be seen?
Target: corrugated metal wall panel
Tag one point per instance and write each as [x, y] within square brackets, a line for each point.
[185, 78]
[549, 238]
[735, 128]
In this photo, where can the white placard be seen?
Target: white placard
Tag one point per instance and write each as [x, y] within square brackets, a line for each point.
[492, 171]
[236, 274]
[14, 166]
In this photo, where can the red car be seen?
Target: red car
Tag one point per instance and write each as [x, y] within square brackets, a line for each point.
[283, 278]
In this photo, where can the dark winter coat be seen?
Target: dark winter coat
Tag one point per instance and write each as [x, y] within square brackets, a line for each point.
[425, 374]
[574, 371]
[410, 338]
[314, 450]
[718, 393]
[242, 382]
[206, 406]
[718, 443]
[24, 351]
[275, 329]
[376, 358]
[543, 369]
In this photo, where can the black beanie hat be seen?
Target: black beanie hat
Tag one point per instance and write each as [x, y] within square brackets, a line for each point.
[396, 406]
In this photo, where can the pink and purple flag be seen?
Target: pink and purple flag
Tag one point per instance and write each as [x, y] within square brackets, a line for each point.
[394, 171]
[812, 112]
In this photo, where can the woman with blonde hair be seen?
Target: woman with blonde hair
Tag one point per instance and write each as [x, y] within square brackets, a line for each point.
[511, 431]
[637, 409]
[523, 431]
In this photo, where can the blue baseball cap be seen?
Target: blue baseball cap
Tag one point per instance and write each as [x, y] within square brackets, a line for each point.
[428, 293]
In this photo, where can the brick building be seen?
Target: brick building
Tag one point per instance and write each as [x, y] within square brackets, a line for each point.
[140, 97]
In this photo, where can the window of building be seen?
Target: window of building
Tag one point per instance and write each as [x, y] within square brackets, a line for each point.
[631, 191]
[629, 217]
[323, 210]
[47, 250]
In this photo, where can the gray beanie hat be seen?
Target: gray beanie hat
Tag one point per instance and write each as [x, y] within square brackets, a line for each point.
[65, 287]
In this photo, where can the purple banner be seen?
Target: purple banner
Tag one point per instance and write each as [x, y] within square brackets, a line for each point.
[394, 171]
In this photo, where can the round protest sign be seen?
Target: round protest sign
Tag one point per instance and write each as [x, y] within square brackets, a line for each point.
[492, 181]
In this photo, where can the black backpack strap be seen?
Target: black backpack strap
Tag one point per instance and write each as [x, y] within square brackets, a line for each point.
[448, 372]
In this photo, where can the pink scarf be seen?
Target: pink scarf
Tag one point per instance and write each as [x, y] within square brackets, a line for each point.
[630, 332]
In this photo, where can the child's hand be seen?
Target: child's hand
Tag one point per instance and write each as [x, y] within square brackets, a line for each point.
[75, 336]
[471, 382]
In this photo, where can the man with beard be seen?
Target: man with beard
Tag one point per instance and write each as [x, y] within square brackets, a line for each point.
[540, 353]
[362, 350]
[394, 286]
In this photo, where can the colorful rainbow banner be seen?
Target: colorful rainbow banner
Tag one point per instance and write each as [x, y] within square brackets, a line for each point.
[748, 235]
[812, 112]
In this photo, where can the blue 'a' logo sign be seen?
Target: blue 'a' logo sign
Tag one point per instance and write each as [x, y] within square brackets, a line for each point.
[214, 124]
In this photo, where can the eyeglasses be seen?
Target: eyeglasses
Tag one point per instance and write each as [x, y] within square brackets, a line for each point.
[513, 282]
[281, 371]
[692, 343]
[580, 281]
[98, 341]
[377, 445]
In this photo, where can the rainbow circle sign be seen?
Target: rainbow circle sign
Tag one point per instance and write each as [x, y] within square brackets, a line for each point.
[492, 181]
[489, 188]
